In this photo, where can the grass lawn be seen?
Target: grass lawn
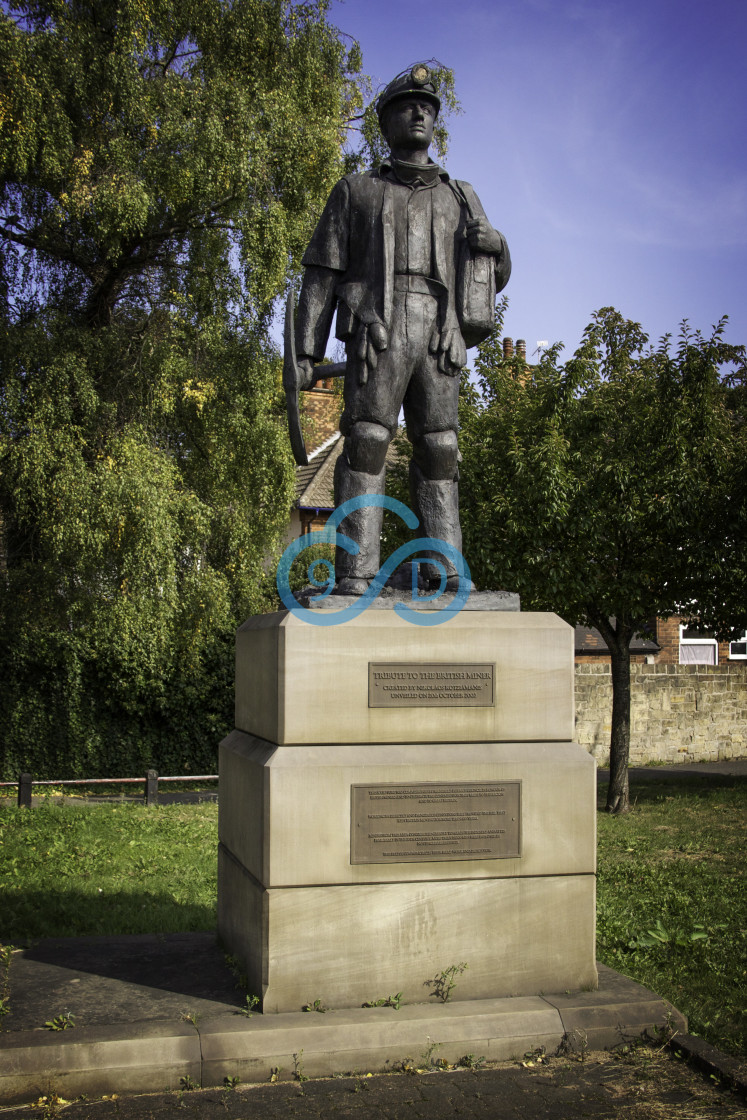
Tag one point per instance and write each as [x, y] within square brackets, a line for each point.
[671, 907]
[68, 870]
[671, 900]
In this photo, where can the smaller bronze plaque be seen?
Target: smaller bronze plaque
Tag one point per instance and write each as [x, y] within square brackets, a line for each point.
[418, 684]
[422, 822]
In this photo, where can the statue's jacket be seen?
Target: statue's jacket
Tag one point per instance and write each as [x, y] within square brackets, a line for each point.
[355, 240]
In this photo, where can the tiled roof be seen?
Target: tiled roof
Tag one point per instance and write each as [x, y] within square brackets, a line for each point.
[315, 482]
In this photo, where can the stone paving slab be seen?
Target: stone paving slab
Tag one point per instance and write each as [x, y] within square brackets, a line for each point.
[642, 1084]
[376, 1038]
[127, 979]
[151, 1012]
[720, 1067]
[98, 1060]
[618, 1013]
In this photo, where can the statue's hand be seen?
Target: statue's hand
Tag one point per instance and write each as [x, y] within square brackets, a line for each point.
[448, 344]
[370, 339]
[483, 237]
[305, 368]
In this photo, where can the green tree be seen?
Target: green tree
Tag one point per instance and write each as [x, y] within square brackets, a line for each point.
[607, 488]
[162, 162]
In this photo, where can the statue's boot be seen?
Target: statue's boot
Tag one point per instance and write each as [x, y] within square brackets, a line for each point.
[436, 502]
[354, 573]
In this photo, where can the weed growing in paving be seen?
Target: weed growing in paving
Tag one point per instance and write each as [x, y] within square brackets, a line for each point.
[61, 1022]
[470, 1061]
[317, 1005]
[252, 1003]
[671, 904]
[429, 1063]
[49, 1108]
[536, 1057]
[443, 983]
[386, 1001]
[298, 1073]
[234, 965]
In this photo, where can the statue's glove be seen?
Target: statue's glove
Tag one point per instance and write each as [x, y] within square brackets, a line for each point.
[483, 238]
[370, 339]
[305, 368]
[448, 344]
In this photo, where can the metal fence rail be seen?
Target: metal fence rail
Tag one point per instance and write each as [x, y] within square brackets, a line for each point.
[151, 779]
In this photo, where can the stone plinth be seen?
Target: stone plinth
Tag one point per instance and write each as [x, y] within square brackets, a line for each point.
[297, 683]
[482, 702]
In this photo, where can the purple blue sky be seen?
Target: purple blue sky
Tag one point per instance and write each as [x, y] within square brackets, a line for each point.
[606, 139]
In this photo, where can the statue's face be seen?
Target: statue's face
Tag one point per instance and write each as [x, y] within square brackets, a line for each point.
[409, 123]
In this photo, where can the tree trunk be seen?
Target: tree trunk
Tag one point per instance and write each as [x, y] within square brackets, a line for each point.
[618, 638]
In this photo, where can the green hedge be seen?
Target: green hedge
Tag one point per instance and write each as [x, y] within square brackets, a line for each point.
[62, 717]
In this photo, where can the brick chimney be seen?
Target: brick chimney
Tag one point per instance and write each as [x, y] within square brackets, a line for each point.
[508, 348]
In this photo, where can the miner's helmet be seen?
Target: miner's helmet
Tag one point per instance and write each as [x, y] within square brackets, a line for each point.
[416, 82]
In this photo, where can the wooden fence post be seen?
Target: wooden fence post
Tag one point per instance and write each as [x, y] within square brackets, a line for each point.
[151, 787]
[24, 791]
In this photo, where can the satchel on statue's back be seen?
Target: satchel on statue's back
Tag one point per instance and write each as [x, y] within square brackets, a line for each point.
[475, 284]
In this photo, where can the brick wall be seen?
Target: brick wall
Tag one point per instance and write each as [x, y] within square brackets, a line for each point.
[321, 408]
[679, 713]
[668, 637]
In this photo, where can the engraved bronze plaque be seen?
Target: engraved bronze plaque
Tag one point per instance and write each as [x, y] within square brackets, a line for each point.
[417, 684]
[425, 821]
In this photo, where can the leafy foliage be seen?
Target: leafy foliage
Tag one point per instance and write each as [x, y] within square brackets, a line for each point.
[610, 489]
[167, 134]
[162, 163]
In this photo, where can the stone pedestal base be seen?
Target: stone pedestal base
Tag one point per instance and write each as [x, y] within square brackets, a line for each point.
[398, 799]
[308, 924]
[349, 945]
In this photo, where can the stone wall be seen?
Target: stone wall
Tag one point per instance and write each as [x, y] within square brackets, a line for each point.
[679, 713]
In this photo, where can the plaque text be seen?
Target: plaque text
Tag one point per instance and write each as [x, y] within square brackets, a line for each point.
[427, 821]
[420, 685]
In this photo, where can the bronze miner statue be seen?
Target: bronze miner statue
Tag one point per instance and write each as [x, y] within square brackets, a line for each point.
[407, 258]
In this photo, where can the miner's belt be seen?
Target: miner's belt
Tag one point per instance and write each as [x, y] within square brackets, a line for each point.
[410, 282]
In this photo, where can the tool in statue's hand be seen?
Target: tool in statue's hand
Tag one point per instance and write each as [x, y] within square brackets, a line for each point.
[293, 377]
